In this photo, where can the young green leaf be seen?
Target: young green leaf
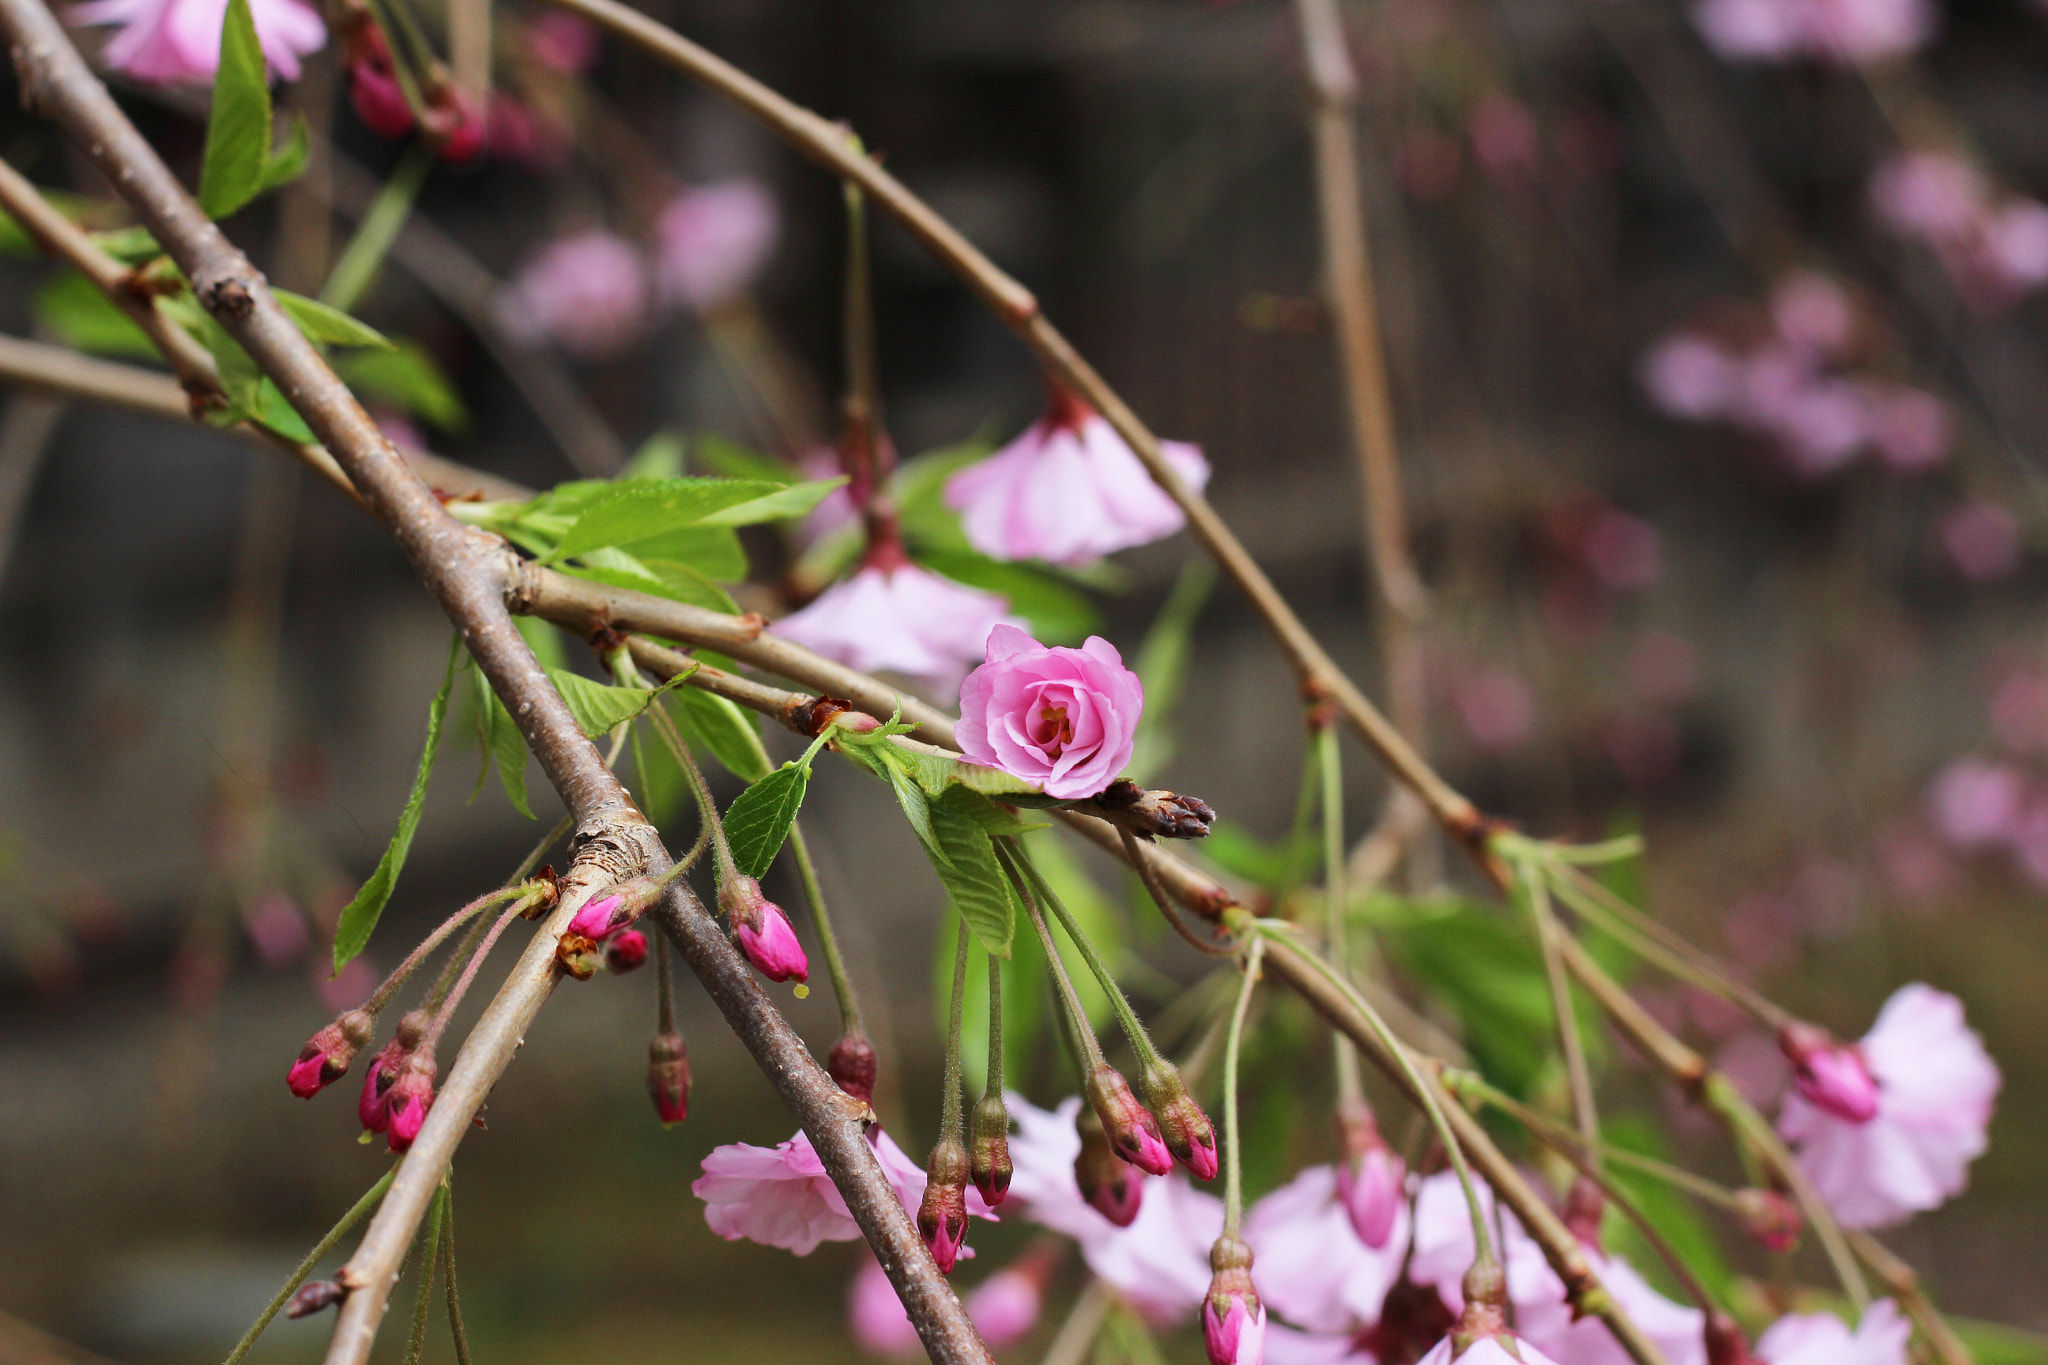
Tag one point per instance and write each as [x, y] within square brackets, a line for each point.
[359, 916]
[402, 375]
[660, 456]
[937, 769]
[882, 760]
[727, 732]
[759, 818]
[81, 317]
[503, 741]
[969, 871]
[276, 412]
[646, 508]
[711, 451]
[599, 708]
[328, 326]
[783, 504]
[288, 162]
[238, 130]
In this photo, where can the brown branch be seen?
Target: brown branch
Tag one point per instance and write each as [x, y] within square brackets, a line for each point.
[466, 573]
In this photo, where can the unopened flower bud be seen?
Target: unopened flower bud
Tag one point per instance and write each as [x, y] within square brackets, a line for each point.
[668, 1077]
[315, 1296]
[1233, 1319]
[1725, 1343]
[1160, 814]
[578, 956]
[620, 905]
[762, 931]
[1584, 1206]
[326, 1057]
[1183, 1126]
[990, 1155]
[1370, 1178]
[852, 1066]
[1485, 1287]
[1112, 1186]
[1133, 1133]
[1829, 1073]
[374, 1108]
[1770, 1217]
[942, 1216]
[626, 950]
[412, 1094]
[594, 920]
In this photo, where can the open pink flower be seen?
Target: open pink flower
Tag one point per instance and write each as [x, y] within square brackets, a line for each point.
[1066, 719]
[1069, 491]
[1824, 1339]
[781, 1197]
[713, 240]
[1313, 1269]
[1828, 1073]
[165, 42]
[1690, 377]
[903, 620]
[1005, 1306]
[585, 293]
[1936, 1086]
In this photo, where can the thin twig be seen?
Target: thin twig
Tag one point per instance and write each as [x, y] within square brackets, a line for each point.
[312, 1262]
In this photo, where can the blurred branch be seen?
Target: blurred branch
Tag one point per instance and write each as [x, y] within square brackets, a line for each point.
[25, 434]
[613, 839]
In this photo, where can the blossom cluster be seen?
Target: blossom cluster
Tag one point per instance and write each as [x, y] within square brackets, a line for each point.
[1994, 247]
[1848, 32]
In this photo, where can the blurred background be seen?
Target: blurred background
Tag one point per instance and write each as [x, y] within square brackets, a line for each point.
[1716, 361]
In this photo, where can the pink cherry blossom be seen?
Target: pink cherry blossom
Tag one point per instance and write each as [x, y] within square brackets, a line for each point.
[1910, 427]
[1974, 802]
[781, 1197]
[1811, 310]
[585, 293]
[2015, 244]
[714, 240]
[1982, 540]
[1372, 1189]
[1065, 719]
[1005, 1306]
[1856, 31]
[1828, 1073]
[874, 1313]
[1497, 708]
[1313, 1269]
[1936, 1086]
[1237, 1335]
[1690, 377]
[1160, 1263]
[167, 42]
[1488, 1350]
[1824, 1339]
[904, 620]
[1930, 195]
[1750, 30]
[1069, 491]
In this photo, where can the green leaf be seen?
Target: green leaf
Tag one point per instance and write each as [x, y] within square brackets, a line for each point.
[600, 708]
[883, 760]
[727, 731]
[1670, 1211]
[506, 746]
[1240, 853]
[759, 818]
[128, 245]
[1056, 611]
[660, 456]
[784, 504]
[405, 377]
[544, 639]
[646, 508]
[969, 871]
[329, 326]
[668, 578]
[936, 769]
[238, 130]
[288, 162]
[720, 456]
[713, 551]
[359, 916]
[73, 310]
[276, 412]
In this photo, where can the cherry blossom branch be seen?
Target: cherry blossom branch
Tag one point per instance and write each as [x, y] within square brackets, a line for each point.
[461, 567]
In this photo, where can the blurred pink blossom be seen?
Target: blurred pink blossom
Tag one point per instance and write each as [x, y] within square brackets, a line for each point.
[1994, 252]
[1821, 427]
[1811, 310]
[1754, 1065]
[1623, 551]
[1005, 1306]
[874, 1314]
[1936, 1087]
[1312, 1268]
[1503, 134]
[277, 928]
[1930, 195]
[1973, 802]
[1663, 669]
[1824, 1339]
[348, 989]
[1845, 31]
[1910, 427]
[2029, 840]
[1911, 861]
[1982, 540]
[714, 239]
[1496, 707]
[2019, 710]
[905, 620]
[2015, 243]
[1690, 378]
[1750, 30]
[1760, 931]
[566, 42]
[168, 42]
[585, 293]
[781, 1197]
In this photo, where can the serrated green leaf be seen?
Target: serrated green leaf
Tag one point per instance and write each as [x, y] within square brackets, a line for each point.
[661, 577]
[973, 880]
[329, 326]
[503, 742]
[936, 769]
[74, 311]
[882, 760]
[402, 375]
[713, 452]
[238, 129]
[647, 508]
[275, 412]
[1056, 611]
[600, 708]
[727, 731]
[288, 162]
[784, 504]
[359, 917]
[759, 818]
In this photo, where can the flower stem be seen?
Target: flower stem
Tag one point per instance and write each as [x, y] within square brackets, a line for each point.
[399, 974]
[357, 1212]
[476, 961]
[949, 1110]
[1088, 1052]
[430, 1249]
[828, 942]
[1135, 856]
[628, 674]
[1337, 911]
[455, 1328]
[664, 987]
[994, 1084]
[1141, 1042]
[1535, 887]
[1233, 1164]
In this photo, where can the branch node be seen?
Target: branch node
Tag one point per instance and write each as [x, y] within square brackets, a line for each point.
[228, 297]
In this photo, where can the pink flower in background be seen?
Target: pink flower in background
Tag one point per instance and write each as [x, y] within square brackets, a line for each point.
[1503, 1349]
[566, 42]
[1974, 802]
[2029, 841]
[1497, 708]
[1931, 195]
[1065, 719]
[1982, 540]
[167, 42]
[1820, 426]
[875, 1315]
[1912, 863]
[585, 293]
[2019, 709]
[1936, 1086]
[1005, 1306]
[904, 620]
[1910, 427]
[781, 1197]
[1069, 491]
[1750, 30]
[1824, 1339]
[1313, 1269]
[1995, 252]
[277, 929]
[1690, 378]
[1503, 134]
[2015, 244]
[1849, 32]
[1828, 1073]
[1811, 310]
[1622, 551]
[714, 240]
[354, 984]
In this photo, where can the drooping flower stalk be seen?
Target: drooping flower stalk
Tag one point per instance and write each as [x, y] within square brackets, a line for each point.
[865, 455]
[1535, 888]
[850, 1022]
[942, 1214]
[1233, 1317]
[357, 1212]
[668, 1061]
[989, 1149]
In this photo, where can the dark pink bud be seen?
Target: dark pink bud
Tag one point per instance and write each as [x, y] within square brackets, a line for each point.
[1233, 1319]
[595, 919]
[762, 931]
[453, 120]
[942, 1215]
[1112, 1186]
[1830, 1074]
[1183, 1126]
[1769, 1217]
[989, 1161]
[314, 1297]
[1584, 1207]
[1133, 1133]
[852, 1066]
[326, 1058]
[1370, 1178]
[668, 1077]
[374, 90]
[410, 1098]
[626, 951]
[1725, 1343]
[374, 1109]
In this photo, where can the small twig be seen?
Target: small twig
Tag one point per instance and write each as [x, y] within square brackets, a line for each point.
[455, 1329]
[428, 1261]
[306, 1267]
